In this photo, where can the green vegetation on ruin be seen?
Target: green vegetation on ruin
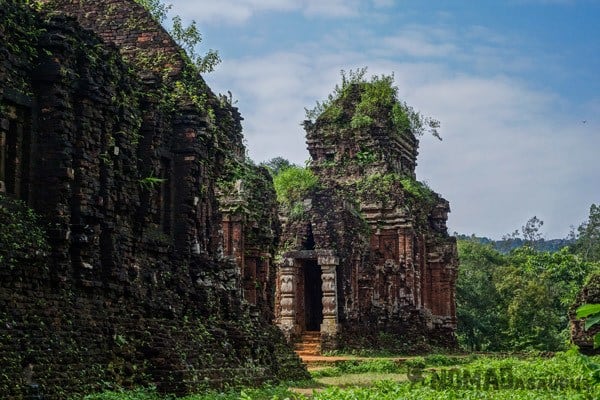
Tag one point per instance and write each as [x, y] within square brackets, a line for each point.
[21, 233]
[383, 187]
[375, 100]
[187, 37]
[293, 183]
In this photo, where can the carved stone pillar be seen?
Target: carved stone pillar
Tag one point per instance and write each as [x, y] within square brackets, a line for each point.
[287, 287]
[328, 265]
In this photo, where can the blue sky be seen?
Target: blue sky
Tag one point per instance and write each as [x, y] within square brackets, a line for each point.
[511, 82]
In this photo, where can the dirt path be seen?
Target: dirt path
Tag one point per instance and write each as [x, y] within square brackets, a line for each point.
[326, 360]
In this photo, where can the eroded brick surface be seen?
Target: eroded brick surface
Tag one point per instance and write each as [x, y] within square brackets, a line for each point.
[121, 164]
[387, 265]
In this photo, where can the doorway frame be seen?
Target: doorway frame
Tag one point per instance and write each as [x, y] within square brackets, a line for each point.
[290, 319]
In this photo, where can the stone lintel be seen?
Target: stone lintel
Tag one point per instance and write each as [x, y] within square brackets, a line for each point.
[301, 254]
[309, 254]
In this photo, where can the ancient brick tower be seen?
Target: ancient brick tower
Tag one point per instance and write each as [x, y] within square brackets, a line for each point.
[368, 261]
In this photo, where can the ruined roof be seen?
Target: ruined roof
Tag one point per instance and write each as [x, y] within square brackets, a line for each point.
[363, 130]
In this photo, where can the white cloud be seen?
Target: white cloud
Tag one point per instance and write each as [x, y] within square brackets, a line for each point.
[414, 44]
[240, 11]
[272, 93]
[506, 151]
[509, 151]
[331, 8]
[229, 11]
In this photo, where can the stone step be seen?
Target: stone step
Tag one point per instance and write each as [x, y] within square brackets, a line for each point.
[307, 349]
[309, 344]
[315, 342]
[310, 339]
[303, 354]
[312, 342]
[311, 333]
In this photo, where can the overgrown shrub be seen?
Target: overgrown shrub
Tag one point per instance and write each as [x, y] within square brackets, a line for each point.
[293, 183]
[378, 101]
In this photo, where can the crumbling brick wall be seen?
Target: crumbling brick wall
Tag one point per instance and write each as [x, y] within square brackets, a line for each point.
[251, 229]
[134, 290]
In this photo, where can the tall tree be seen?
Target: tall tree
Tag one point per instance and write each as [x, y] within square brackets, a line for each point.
[477, 299]
[588, 240]
[277, 164]
[516, 301]
[531, 231]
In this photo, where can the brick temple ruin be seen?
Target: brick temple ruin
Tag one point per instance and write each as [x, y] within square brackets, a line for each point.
[167, 261]
[113, 138]
[369, 262]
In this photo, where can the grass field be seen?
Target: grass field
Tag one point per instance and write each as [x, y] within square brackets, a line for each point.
[567, 376]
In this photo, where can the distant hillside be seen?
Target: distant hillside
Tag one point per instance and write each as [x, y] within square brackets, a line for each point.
[506, 245]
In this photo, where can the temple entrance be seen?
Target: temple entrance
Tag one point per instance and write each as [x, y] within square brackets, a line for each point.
[307, 298]
[313, 295]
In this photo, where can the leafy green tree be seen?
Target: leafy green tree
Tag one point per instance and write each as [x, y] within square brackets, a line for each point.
[564, 269]
[528, 235]
[531, 230]
[517, 301]
[588, 240]
[531, 317]
[277, 164]
[189, 37]
[477, 299]
[539, 290]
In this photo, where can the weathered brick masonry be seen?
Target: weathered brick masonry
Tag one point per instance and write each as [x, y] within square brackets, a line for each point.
[368, 262]
[117, 144]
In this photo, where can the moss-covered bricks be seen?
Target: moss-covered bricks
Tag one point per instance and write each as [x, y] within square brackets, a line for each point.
[121, 166]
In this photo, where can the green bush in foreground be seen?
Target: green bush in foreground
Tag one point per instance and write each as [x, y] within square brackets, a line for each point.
[267, 392]
[386, 390]
[565, 376]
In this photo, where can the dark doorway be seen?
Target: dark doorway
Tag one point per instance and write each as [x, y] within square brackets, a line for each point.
[313, 295]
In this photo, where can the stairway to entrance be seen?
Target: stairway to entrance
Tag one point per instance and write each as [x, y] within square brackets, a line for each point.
[309, 344]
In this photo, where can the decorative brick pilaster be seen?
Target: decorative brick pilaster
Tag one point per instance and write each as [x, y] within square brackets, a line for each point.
[329, 326]
[287, 287]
